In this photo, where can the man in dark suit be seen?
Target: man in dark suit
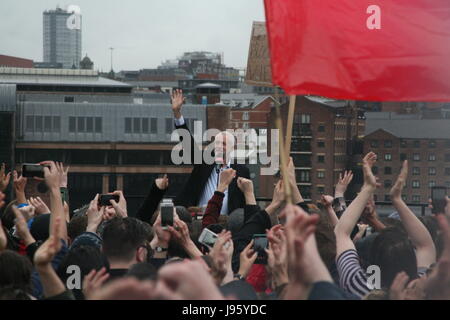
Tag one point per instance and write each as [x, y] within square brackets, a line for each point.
[204, 179]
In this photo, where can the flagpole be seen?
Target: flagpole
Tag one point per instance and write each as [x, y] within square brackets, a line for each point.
[290, 123]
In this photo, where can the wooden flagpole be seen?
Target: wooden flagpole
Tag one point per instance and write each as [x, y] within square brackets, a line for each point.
[290, 123]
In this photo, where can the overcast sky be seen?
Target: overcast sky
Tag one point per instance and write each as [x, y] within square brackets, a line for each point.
[144, 32]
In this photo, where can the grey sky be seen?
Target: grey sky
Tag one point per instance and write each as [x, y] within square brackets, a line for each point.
[144, 32]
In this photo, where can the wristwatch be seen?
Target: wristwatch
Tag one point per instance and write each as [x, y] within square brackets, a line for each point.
[239, 277]
[161, 249]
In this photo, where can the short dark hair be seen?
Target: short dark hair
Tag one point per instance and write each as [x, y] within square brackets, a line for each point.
[393, 252]
[142, 271]
[122, 237]
[15, 270]
[76, 226]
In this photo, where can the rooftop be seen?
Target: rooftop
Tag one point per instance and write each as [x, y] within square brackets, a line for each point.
[411, 128]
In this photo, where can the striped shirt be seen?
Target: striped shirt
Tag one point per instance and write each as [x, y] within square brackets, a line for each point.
[352, 277]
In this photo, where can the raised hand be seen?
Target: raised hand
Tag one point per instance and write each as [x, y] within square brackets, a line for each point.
[247, 259]
[93, 281]
[326, 200]
[121, 206]
[52, 174]
[162, 183]
[369, 178]
[3, 238]
[342, 185]
[177, 102]
[22, 228]
[63, 173]
[396, 190]
[225, 178]
[95, 215]
[39, 205]
[245, 185]
[48, 250]
[4, 178]
[19, 184]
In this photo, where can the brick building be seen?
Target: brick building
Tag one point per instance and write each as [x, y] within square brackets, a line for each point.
[424, 143]
[15, 62]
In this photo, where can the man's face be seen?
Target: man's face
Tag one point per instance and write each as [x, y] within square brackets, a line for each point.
[223, 146]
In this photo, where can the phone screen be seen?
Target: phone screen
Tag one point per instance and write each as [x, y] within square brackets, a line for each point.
[439, 202]
[260, 243]
[105, 198]
[167, 215]
[32, 170]
[209, 238]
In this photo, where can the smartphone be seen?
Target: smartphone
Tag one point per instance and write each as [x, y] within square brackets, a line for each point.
[439, 202]
[30, 170]
[207, 238]
[104, 199]
[260, 243]
[167, 208]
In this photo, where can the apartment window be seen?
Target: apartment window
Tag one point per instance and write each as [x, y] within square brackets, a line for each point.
[136, 125]
[38, 123]
[416, 156]
[403, 143]
[416, 184]
[145, 126]
[98, 125]
[431, 184]
[56, 124]
[321, 128]
[431, 157]
[69, 99]
[374, 143]
[387, 198]
[321, 190]
[245, 125]
[403, 156]
[375, 170]
[321, 159]
[320, 144]
[431, 171]
[447, 171]
[90, 124]
[432, 144]
[29, 123]
[306, 118]
[245, 116]
[72, 124]
[416, 171]
[127, 125]
[388, 157]
[447, 157]
[388, 143]
[447, 184]
[404, 197]
[387, 170]
[81, 124]
[320, 174]
[416, 198]
[154, 125]
[416, 144]
[303, 176]
[47, 124]
[387, 184]
[169, 124]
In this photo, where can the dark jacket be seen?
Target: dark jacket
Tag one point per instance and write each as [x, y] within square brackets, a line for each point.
[192, 191]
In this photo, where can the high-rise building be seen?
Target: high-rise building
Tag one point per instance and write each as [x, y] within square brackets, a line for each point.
[62, 38]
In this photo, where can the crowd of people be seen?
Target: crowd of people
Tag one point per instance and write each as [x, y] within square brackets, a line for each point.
[314, 252]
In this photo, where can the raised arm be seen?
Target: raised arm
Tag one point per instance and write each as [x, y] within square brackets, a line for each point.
[351, 216]
[417, 232]
[327, 202]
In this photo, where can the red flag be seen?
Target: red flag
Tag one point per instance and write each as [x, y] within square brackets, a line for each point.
[377, 50]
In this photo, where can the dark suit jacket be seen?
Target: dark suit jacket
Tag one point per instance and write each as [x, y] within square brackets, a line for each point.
[192, 191]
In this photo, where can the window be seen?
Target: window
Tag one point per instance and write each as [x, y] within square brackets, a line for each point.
[431, 157]
[56, 124]
[375, 170]
[416, 171]
[47, 124]
[416, 156]
[320, 144]
[388, 143]
[416, 198]
[447, 171]
[321, 128]
[29, 123]
[416, 184]
[387, 170]
[387, 198]
[72, 124]
[320, 174]
[432, 144]
[403, 156]
[38, 123]
[89, 124]
[81, 124]
[447, 157]
[387, 184]
[374, 143]
[302, 176]
[98, 125]
[136, 125]
[153, 125]
[447, 184]
[416, 144]
[321, 159]
[431, 171]
[69, 99]
[404, 197]
[145, 126]
[306, 118]
[245, 116]
[321, 190]
[127, 125]
[431, 184]
[388, 157]
[169, 125]
[403, 143]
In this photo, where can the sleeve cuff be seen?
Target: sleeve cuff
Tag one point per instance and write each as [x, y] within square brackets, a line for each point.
[179, 122]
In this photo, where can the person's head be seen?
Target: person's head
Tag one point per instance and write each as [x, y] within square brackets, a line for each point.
[393, 252]
[76, 227]
[142, 271]
[8, 215]
[125, 241]
[15, 270]
[326, 240]
[13, 293]
[235, 220]
[223, 146]
[84, 257]
[40, 227]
